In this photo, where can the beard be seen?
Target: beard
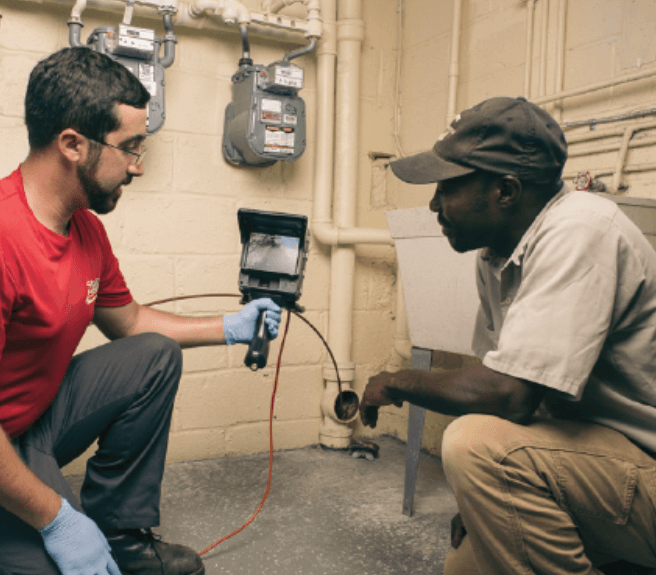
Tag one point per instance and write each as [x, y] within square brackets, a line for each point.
[101, 199]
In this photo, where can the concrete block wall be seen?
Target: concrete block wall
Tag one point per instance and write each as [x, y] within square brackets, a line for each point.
[175, 229]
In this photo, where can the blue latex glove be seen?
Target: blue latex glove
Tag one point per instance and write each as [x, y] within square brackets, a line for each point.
[240, 327]
[77, 545]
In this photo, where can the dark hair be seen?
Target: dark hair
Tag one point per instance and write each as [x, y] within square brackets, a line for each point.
[80, 89]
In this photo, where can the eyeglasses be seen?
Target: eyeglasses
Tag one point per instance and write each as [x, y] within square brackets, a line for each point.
[139, 156]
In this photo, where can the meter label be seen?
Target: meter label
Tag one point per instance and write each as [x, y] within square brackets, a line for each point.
[290, 119]
[278, 141]
[147, 78]
[291, 76]
[140, 39]
[271, 111]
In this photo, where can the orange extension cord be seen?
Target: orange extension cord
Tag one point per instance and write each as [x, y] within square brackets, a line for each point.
[273, 400]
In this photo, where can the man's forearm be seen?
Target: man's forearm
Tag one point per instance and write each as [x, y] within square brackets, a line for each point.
[474, 389]
[187, 331]
[21, 492]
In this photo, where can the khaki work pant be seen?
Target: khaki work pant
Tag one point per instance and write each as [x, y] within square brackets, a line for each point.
[553, 497]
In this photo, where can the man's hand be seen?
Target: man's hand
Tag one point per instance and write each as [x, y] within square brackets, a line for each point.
[76, 544]
[240, 327]
[458, 531]
[377, 394]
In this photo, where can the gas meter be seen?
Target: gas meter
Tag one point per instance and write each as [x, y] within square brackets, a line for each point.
[265, 122]
[138, 50]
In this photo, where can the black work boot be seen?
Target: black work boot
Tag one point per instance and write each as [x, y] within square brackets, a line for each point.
[141, 552]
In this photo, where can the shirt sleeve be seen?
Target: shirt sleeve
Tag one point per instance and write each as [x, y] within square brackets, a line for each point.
[557, 325]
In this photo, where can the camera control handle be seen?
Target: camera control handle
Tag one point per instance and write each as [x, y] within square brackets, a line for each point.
[258, 349]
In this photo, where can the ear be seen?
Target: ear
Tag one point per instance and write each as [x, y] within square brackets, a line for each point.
[510, 192]
[73, 146]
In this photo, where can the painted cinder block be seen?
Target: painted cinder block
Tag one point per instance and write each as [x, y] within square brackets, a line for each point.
[13, 144]
[24, 29]
[179, 225]
[203, 359]
[196, 444]
[149, 278]
[15, 69]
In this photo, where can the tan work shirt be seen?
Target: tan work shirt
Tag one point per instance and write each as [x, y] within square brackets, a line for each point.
[574, 309]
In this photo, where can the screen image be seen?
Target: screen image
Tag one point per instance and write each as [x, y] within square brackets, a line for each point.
[272, 253]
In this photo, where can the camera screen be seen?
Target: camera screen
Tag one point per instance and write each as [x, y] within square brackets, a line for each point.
[272, 253]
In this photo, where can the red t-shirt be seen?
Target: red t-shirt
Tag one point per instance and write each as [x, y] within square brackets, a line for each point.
[49, 286]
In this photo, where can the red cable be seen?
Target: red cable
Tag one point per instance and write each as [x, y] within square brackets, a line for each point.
[273, 400]
[268, 487]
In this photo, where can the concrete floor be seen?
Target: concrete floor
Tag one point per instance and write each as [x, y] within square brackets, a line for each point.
[327, 513]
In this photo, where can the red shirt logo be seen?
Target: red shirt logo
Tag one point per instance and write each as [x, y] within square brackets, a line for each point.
[92, 290]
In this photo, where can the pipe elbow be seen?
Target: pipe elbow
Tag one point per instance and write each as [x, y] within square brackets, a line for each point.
[235, 12]
[402, 346]
[325, 233]
[74, 33]
[78, 8]
[198, 8]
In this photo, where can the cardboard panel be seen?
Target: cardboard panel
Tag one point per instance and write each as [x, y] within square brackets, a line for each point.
[439, 284]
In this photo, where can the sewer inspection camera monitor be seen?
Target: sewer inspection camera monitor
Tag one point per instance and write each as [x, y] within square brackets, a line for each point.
[274, 253]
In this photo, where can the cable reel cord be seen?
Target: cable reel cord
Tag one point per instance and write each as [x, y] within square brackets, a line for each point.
[273, 396]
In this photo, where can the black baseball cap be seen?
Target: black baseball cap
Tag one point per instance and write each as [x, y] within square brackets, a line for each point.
[508, 136]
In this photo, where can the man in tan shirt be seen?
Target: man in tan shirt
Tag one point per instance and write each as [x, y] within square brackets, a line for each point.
[551, 462]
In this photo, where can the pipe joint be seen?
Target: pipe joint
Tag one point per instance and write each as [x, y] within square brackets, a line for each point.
[76, 12]
[198, 8]
[342, 406]
[314, 22]
[346, 373]
[351, 29]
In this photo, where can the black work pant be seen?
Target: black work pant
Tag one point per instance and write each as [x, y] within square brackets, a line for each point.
[121, 394]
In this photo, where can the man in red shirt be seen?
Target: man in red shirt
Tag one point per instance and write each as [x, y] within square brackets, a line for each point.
[86, 121]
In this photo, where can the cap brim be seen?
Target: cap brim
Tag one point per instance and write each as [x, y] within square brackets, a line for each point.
[427, 168]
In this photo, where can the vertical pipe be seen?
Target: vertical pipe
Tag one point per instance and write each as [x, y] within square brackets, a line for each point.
[560, 54]
[454, 63]
[325, 119]
[402, 344]
[350, 33]
[530, 28]
[544, 43]
[397, 91]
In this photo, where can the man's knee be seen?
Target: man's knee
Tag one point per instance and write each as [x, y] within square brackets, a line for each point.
[161, 348]
[474, 440]
[158, 343]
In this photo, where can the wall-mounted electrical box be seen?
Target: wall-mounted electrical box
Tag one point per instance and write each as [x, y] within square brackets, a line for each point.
[265, 122]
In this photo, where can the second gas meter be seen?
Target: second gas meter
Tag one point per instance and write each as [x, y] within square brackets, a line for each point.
[265, 122]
